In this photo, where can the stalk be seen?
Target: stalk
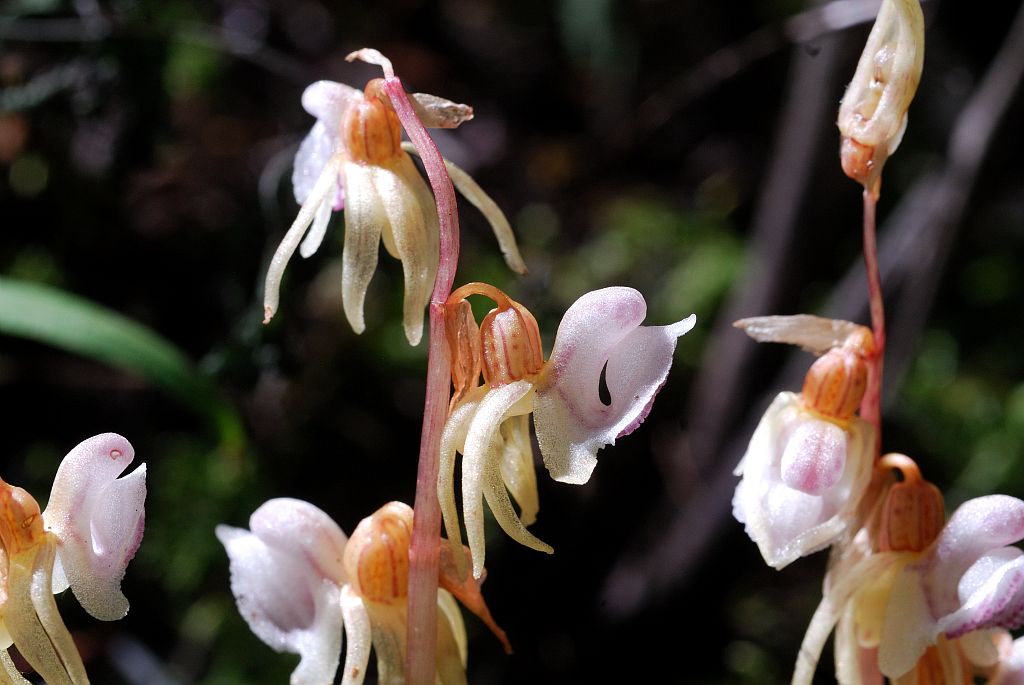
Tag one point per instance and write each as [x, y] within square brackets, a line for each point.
[426, 533]
[870, 408]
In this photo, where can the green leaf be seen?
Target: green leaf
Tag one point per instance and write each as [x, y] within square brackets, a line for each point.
[57, 318]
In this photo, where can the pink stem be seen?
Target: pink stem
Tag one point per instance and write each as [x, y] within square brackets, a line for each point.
[426, 530]
[870, 407]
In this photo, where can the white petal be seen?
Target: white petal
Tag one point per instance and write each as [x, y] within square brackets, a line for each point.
[364, 217]
[327, 101]
[358, 637]
[908, 628]
[437, 112]
[299, 528]
[991, 594]
[312, 157]
[481, 453]
[453, 439]
[451, 641]
[787, 523]
[99, 520]
[281, 590]
[601, 329]
[517, 469]
[316, 234]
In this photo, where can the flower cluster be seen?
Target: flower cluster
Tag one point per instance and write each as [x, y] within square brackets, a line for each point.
[299, 582]
[488, 422]
[84, 540]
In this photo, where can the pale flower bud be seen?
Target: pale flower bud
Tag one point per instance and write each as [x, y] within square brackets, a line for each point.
[873, 113]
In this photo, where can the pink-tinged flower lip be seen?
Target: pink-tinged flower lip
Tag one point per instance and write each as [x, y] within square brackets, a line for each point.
[600, 331]
[99, 519]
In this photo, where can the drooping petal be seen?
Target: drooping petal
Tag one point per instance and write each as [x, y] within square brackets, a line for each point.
[785, 522]
[453, 439]
[482, 456]
[601, 330]
[99, 520]
[311, 243]
[909, 627]
[517, 469]
[322, 192]
[364, 217]
[316, 150]
[327, 101]
[389, 624]
[406, 219]
[472, 191]
[357, 637]
[451, 641]
[285, 576]
[815, 334]
[9, 673]
[33, 620]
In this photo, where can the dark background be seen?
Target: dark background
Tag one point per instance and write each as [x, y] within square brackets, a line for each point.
[687, 149]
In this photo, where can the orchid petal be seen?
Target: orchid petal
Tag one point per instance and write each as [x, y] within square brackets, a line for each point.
[517, 470]
[1011, 665]
[453, 439]
[99, 519]
[480, 456]
[33, 620]
[406, 219]
[814, 457]
[976, 527]
[815, 334]
[314, 153]
[9, 673]
[327, 101]
[908, 628]
[311, 243]
[286, 577]
[992, 595]
[357, 635]
[390, 624]
[787, 523]
[501, 506]
[601, 330]
[326, 184]
[451, 641]
[472, 191]
[364, 216]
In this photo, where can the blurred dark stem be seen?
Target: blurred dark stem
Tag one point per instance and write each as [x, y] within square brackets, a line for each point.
[915, 246]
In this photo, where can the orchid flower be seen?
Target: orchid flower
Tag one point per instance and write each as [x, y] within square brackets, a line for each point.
[353, 160]
[928, 598]
[299, 582]
[600, 333]
[85, 539]
[810, 457]
[873, 114]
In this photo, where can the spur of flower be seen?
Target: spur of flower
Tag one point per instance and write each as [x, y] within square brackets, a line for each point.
[810, 458]
[299, 583]
[873, 114]
[353, 160]
[488, 422]
[913, 597]
[84, 540]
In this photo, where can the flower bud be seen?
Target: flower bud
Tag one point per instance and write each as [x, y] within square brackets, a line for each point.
[835, 383]
[873, 114]
[464, 342]
[370, 128]
[511, 345]
[21, 525]
[376, 558]
[913, 512]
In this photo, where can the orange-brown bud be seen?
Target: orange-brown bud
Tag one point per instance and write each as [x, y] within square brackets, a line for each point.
[835, 383]
[21, 524]
[370, 128]
[464, 342]
[913, 512]
[376, 558]
[511, 345]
